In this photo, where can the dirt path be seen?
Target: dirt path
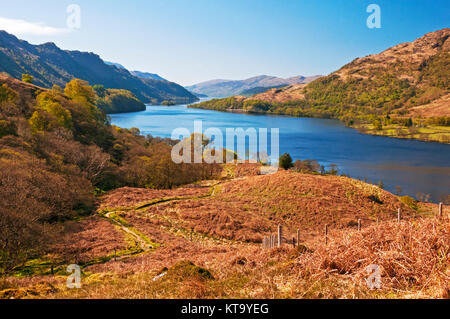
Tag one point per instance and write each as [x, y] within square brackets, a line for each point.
[140, 239]
[136, 236]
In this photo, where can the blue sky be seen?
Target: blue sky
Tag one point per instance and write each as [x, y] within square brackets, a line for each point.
[189, 41]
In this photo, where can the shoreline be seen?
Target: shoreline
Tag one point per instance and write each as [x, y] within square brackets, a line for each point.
[357, 127]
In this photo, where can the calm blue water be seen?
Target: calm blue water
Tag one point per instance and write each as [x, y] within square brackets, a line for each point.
[417, 167]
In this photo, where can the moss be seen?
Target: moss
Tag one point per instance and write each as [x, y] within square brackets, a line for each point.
[410, 202]
[188, 270]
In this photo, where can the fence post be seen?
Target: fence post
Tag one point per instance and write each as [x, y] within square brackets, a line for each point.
[440, 209]
[298, 236]
[280, 235]
[326, 234]
[359, 224]
[399, 215]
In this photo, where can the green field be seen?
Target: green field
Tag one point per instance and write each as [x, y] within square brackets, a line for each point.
[439, 134]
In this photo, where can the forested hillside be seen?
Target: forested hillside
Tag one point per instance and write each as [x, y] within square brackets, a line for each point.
[113, 101]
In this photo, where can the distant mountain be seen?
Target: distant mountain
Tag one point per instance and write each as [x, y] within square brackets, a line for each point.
[146, 75]
[49, 65]
[139, 74]
[117, 65]
[199, 95]
[259, 89]
[224, 88]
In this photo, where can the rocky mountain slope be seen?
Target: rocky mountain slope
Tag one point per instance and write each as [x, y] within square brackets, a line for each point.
[49, 65]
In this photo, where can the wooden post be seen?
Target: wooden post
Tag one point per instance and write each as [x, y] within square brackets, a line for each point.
[298, 236]
[326, 234]
[399, 215]
[359, 224]
[280, 235]
[293, 242]
[440, 209]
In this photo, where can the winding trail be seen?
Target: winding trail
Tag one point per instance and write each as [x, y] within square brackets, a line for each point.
[143, 243]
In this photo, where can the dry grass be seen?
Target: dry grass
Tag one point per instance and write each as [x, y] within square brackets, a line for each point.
[88, 239]
[224, 259]
[130, 197]
[413, 258]
[248, 209]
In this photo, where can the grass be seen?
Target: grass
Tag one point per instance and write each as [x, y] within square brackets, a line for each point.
[224, 259]
[439, 134]
[413, 258]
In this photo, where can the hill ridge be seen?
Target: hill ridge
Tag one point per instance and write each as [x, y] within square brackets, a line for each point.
[50, 65]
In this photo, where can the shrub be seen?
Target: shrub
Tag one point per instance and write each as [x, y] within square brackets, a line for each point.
[27, 78]
[409, 201]
[285, 161]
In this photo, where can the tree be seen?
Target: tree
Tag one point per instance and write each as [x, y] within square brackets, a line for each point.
[408, 122]
[285, 161]
[334, 170]
[27, 78]
[80, 90]
[100, 90]
[378, 125]
[307, 166]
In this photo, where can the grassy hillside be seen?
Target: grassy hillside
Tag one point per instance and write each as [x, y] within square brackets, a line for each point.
[204, 241]
[49, 65]
[395, 93]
